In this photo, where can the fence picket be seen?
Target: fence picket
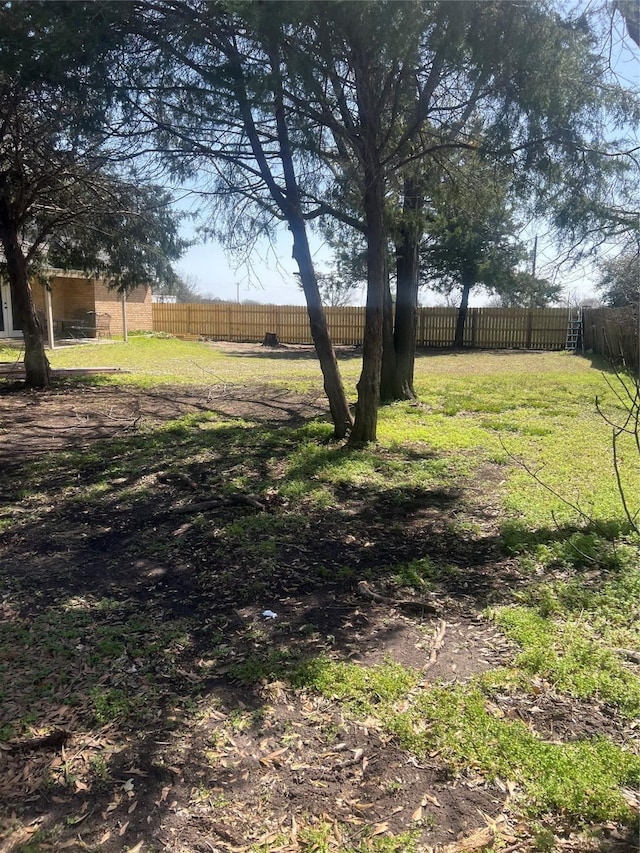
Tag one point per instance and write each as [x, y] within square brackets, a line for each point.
[486, 328]
[613, 333]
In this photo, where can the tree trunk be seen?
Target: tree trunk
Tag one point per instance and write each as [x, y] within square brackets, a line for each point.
[289, 203]
[467, 284]
[388, 372]
[36, 364]
[366, 421]
[333, 386]
[406, 323]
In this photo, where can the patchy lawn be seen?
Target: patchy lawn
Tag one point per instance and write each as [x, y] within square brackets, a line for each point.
[221, 631]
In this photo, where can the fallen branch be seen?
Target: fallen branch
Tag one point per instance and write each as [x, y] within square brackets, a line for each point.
[203, 506]
[55, 740]
[438, 642]
[629, 654]
[417, 604]
[174, 478]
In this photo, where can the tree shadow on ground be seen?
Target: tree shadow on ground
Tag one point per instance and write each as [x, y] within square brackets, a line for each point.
[137, 625]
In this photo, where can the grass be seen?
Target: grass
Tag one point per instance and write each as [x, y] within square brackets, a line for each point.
[579, 780]
[570, 657]
[154, 361]
[474, 408]
[478, 415]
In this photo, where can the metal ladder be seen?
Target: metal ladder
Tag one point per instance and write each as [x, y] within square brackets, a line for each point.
[574, 330]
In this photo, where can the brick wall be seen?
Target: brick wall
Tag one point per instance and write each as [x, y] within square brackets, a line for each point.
[138, 308]
[73, 297]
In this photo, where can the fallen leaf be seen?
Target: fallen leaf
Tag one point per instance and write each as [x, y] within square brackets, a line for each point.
[123, 828]
[273, 756]
[380, 828]
[417, 815]
[480, 839]
[71, 842]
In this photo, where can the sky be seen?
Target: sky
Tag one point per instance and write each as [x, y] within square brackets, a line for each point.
[271, 277]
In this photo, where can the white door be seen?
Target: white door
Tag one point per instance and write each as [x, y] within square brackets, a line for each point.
[8, 323]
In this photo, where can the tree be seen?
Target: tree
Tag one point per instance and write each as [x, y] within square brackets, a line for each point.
[299, 98]
[397, 85]
[129, 234]
[61, 198]
[470, 235]
[369, 79]
[620, 279]
[218, 103]
[524, 290]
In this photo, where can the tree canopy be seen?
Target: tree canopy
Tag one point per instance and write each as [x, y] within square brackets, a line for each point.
[619, 280]
[307, 112]
[65, 193]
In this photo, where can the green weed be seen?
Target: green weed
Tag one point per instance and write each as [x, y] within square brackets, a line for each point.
[568, 656]
[581, 780]
[423, 574]
[115, 704]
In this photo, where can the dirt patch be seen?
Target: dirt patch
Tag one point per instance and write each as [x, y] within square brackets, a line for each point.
[33, 423]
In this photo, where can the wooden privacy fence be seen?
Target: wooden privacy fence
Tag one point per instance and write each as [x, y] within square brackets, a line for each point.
[613, 333]
[486, 328]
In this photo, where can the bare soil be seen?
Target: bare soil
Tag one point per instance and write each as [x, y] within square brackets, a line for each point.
[224, 766]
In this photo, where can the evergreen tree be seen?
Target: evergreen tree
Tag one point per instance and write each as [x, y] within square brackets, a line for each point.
[63, 198]
[620, 279]
[470, 238]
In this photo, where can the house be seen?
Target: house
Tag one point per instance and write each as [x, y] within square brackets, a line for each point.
[81, 307]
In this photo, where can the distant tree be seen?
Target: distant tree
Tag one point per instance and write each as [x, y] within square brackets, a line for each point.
[336, 291]
[469, 236]
[523, 290]
[620, 279]
[186, 288]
